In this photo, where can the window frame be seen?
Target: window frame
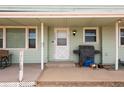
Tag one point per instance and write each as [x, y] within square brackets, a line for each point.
[26, 37]
[97, 35]
[2, 37]
[120, 36]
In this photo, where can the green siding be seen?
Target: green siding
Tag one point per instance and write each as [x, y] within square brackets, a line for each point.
[75, 41]
[15, 55]
[34, 55]
[108, 45]
[45, 44]
[121, 53]
[30, 56]
[51, 45]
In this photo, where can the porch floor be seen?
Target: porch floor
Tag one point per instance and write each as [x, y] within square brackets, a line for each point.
[75, 76]
[11, 74]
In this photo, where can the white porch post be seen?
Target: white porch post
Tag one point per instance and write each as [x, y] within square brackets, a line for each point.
[21, 62]
[42, 46]
[117, 44]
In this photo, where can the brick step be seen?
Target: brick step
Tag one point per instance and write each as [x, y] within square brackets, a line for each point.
[59, 64]
[78, 84]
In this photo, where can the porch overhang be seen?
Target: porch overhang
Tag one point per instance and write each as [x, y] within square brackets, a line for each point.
[58, 15]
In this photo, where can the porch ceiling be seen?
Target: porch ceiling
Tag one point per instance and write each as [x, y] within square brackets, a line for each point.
[58, 21]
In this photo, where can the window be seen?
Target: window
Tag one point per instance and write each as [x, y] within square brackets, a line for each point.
[61, 41]
[15, 37]
[32, 38]
[90, 35]
[61, 38]
[1, 37]
[122, 36]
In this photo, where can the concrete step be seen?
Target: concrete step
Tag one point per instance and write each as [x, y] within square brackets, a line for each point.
[79, 84]
[59, 64]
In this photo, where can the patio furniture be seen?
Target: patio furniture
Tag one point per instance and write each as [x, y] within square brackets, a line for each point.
[84, 52]
[5, 58]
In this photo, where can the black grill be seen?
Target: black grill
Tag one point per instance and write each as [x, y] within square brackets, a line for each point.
[84, 52]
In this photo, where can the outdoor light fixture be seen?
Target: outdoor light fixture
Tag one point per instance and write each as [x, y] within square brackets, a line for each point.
[74, 32]
[120, 20]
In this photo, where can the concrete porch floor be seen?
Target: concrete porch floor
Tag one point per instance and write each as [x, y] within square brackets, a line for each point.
[75, 76]
[11, 74]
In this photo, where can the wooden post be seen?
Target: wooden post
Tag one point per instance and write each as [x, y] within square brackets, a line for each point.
[117, 44]
[21, 62]
[42, 46]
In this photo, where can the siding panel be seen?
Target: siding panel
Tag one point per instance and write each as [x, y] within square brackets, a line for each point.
[108, 45]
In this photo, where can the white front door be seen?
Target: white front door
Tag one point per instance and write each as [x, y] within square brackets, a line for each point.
[61, 43]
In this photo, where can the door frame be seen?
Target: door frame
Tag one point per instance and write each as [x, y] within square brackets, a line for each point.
[68, 41]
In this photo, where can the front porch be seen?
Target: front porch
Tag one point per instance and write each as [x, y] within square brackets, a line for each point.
[58, 75]
[9, 76]
[38, 40]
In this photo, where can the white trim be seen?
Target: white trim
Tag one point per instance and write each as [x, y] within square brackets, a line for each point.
[2, 37]
[97, 35]
[18, 26]
[117, 45]
[58, 15]
[36, 43]
[21, 65]
[55, 41]
[42, 46]
[36, 38]
[26, 37]
[120, 36]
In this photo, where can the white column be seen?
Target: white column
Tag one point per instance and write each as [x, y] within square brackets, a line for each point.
[21, 62]
[42, 46]
[4, 38]
[117, 44]
[26, 37]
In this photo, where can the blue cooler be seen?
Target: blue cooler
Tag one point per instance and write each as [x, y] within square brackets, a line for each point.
[88, 62]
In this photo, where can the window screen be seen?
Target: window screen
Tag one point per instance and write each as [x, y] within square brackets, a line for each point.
[32, 38]
[15, 37]
[61, 38]
[90, 35]
[61, 41]
[122, 36]
[1, 38]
